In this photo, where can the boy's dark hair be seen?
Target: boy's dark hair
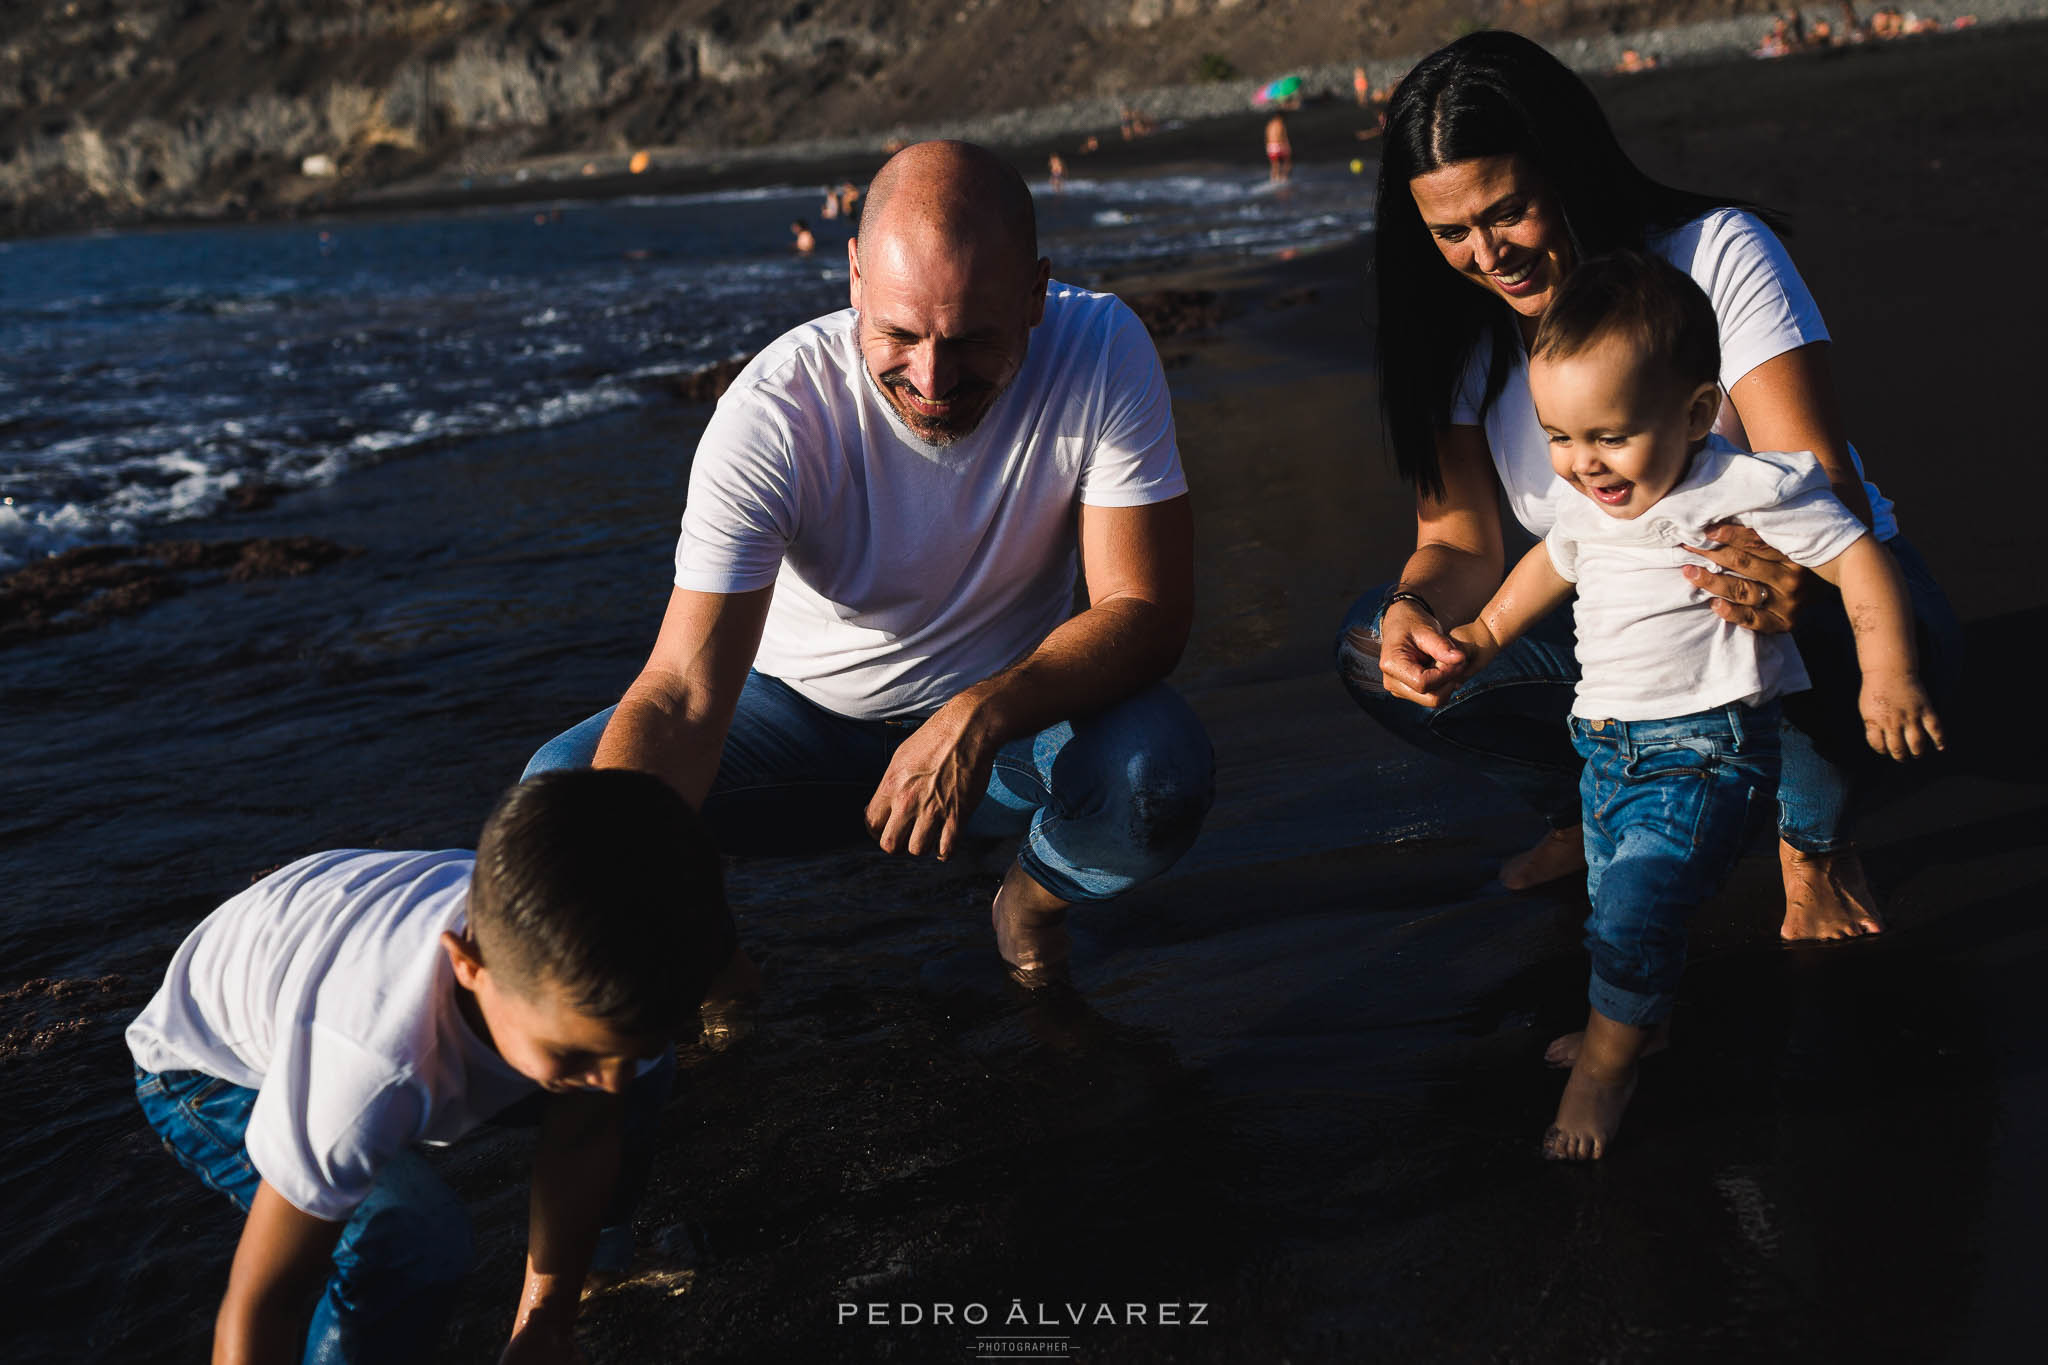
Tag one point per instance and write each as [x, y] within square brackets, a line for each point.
[605, 883]
[1656, 308]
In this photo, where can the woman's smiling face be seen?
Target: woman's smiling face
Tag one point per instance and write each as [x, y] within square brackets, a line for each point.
[1494, 221]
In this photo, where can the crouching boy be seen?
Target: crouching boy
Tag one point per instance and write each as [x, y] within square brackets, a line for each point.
[316, 1027]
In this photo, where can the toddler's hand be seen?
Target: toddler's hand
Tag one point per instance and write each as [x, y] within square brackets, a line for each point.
[1475, 653]
[1898, 719]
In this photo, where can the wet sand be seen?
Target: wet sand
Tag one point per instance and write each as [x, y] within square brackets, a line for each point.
[1299, 1082]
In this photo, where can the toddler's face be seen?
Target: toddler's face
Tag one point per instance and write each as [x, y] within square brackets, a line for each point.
[1620, 433]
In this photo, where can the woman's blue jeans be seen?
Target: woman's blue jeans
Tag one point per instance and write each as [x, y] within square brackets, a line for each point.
[406, 1247]
[1104, 801]
[1509, 721]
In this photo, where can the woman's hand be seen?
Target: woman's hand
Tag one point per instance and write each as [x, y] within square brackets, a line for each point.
[1761, 590]
[1417, 656]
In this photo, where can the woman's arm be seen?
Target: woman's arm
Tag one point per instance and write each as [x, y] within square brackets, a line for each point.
[1786, 403]
[1458, 561]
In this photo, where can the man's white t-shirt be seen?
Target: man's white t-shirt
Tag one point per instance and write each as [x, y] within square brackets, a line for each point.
[1649, 644]
[905, 572]
[325, 989]
[1764, 309]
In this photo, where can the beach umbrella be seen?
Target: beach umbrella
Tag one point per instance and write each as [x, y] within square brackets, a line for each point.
[1284, 88]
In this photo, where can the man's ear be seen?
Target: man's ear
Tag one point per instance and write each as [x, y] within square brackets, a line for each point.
[1700, 414]
[853, 272]
[462, 957]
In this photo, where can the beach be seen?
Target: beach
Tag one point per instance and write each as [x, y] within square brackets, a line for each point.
[1291, 1108]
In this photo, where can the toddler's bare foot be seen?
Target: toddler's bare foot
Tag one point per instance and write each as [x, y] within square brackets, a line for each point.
[1560, 853]
[1826, 896]
[1031, 930]
[1563, 1053]
[1601, 1085]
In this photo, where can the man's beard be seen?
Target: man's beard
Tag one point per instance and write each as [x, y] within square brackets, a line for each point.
[972, 399]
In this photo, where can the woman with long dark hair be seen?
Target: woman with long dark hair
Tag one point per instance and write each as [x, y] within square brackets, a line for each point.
[1499, 172]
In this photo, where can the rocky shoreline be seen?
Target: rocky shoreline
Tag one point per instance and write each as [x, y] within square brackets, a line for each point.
[130, 112]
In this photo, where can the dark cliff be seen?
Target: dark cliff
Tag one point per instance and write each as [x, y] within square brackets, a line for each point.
[114, 110]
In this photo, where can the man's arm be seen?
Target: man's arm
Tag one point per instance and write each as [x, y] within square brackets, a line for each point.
[672, 720]
[574, 1172]
[1139, 564]
[280, 1265]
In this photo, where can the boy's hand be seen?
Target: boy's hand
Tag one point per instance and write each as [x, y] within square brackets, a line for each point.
[1898, 719]
[539, 1344]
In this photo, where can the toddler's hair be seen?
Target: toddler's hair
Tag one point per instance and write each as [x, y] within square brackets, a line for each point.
[1655, 307]
[605, 883]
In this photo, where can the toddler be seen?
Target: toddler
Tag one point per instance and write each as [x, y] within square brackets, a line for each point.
[1676, 711]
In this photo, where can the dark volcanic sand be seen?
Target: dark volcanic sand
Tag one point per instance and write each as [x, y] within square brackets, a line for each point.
[1300, 1083]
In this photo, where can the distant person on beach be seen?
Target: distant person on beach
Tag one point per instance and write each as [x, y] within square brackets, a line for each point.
[1361, 85]
[1676, 712]
[1056, 171]
[1279, 151]
[1499, 171]
[849, 199]
[872, 627]
[316, 1027]
[806, 241]
[830, 208]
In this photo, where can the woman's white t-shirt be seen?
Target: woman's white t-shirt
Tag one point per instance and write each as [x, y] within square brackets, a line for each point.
[1764, 309]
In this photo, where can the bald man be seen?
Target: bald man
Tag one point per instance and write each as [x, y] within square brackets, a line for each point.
[873, 626]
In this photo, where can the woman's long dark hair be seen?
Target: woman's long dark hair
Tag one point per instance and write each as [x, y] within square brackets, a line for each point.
[1490, 94]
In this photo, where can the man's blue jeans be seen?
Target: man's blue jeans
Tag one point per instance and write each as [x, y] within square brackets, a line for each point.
[1104, 801]
[406, 1247]
[1508, 721]
[1668, 805]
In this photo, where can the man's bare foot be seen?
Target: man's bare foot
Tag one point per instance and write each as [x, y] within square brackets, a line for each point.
[1826, 896]
[1563, 1053]
[1601, 1085]
[1560, 853]
[1031, 930]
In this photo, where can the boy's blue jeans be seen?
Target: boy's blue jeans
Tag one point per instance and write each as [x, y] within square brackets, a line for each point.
[1504, 721]
[1104, 801]
[1668, 806]
[407, 1245]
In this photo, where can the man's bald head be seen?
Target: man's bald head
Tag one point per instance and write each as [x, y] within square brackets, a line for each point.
[956, 196]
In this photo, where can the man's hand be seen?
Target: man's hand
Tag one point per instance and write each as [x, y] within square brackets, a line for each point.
[935, 780]
[1898, 719]
[1761, 590]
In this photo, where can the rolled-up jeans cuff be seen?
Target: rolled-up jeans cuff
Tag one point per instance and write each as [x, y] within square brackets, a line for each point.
[1637, 1009]
[1814, 847]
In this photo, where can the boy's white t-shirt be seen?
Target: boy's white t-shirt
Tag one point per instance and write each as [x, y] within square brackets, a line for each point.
[325, 989]
[1649, 644]
[1764, 309]
[906, 572]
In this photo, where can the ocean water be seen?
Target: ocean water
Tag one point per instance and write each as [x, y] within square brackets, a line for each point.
[151, 376]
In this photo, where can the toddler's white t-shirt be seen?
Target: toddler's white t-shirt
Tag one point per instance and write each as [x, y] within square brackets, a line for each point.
[325, 989]
[1649, 644]
[905, 572]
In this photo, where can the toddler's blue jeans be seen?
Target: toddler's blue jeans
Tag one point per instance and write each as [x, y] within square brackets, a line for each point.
[406, 1246]
[1668, 807]
[1104, 801]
